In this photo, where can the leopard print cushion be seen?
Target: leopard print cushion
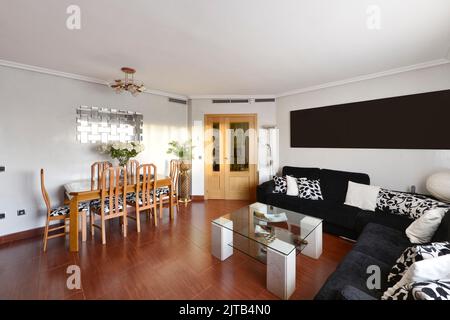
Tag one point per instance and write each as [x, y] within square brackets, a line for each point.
[309, 189]
[280, 184]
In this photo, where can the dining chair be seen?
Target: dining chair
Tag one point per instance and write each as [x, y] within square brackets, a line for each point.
[113, 189]
[163, 193]
[132, 167]
[97, 169]
[60, 214]
[145, 197]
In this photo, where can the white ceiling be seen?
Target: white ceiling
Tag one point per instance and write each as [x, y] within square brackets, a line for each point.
[248, 47]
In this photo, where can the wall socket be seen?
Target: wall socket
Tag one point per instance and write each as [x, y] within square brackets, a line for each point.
[21, 212]
[2, 168]
[2, 215]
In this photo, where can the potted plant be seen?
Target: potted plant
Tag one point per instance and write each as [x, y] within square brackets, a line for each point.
[122, 151]
[183, 152]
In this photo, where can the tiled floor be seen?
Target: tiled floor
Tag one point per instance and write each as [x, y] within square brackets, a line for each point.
[171, 261]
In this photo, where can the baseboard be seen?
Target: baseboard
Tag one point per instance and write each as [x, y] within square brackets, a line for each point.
[198, 198]
[27, 234]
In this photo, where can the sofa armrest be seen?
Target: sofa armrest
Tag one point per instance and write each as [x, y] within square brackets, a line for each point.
[263, 189]
[352, 293]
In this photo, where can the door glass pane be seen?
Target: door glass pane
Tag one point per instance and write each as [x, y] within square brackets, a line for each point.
[216, 147]
[239, 146]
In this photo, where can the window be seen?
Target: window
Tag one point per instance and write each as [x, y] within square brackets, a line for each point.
[104, 125]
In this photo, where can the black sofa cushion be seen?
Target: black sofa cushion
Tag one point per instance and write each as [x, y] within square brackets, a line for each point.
[340, 215]
[380, 217]
[314, 208]
[382, 243]
[443, 232]
[334, 183]
[353, 271]
[310, 173]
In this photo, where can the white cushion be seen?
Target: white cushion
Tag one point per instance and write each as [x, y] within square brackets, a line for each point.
[424, 270]
[292, 186]
[362, 196]
[423, 229]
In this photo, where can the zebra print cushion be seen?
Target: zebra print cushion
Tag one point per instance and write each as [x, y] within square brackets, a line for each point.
[131, 199]
[65, 210]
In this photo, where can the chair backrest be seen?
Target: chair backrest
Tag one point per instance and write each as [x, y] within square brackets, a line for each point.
[146, 186]
[175, 174]
[44, 193]
[132, 167]
[97, 169]
[113, 186]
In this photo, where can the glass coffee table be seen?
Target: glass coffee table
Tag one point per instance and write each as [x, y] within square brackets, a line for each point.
[272, 235]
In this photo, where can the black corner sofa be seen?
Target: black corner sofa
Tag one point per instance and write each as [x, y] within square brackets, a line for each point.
[380, 235]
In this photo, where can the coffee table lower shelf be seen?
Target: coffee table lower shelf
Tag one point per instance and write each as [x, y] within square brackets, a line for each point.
[280, 267]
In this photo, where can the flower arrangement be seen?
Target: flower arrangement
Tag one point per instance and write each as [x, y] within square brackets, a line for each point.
[122, 151]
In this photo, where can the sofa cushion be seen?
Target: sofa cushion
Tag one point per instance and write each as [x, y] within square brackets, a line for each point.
[334, 183]
[341, 215]
[353, 271]
[443, 231]
[310, 173]
[389, 220]
[352, 293]
[382, 243]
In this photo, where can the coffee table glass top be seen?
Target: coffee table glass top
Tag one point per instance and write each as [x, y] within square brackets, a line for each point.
[270, 227]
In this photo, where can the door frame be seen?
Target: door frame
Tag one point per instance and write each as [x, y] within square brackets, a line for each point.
[222, 148]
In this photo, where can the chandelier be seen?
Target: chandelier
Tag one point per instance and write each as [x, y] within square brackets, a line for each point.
[127, 84]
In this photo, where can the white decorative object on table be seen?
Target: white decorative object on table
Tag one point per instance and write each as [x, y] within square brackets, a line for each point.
[438, 185]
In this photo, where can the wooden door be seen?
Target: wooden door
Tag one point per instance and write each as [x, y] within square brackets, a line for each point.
[230, 157]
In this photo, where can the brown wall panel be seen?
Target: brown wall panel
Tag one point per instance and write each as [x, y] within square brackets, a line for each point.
[419, 121]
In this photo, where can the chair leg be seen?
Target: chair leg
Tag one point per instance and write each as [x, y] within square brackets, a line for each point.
[83, 226]
[138, 221]
[45, 236]
[92, 220]
[161, 206]
[155, 216]
[125, 224]
[103, 231]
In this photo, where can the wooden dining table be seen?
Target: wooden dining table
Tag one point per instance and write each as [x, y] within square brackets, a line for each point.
[87, 190]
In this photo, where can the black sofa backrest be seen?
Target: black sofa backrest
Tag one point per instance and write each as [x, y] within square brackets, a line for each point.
[334, 183]
[310, 173]
[443, 232]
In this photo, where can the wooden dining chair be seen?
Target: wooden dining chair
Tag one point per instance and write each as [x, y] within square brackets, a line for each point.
[97, 169]
[60, 214]
[145, 197]
[113, 189]
[132, 167]
[163, 193]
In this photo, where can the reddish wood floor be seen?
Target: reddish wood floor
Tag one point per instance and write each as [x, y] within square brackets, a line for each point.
[171, 261]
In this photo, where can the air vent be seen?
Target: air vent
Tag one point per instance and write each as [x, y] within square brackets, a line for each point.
[265, 100]
[177, 101]
[230, 101]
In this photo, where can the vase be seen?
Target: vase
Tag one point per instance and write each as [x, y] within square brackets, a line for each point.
[185, 182]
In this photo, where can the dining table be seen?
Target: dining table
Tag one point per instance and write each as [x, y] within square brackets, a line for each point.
[88, 190]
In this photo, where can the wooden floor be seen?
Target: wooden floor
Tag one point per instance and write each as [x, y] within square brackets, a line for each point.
[171, 261]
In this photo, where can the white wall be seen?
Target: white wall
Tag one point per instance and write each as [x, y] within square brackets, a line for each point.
[396, 169]
[38, 130]
[266, 112]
